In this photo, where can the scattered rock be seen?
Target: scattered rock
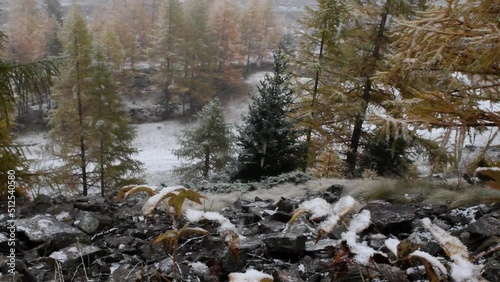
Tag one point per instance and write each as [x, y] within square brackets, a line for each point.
[288, 243]
[120, 246]
[392, 218]
[41, 228]
[488, 225]
[86, 222]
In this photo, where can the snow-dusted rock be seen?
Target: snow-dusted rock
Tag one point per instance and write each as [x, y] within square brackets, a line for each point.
[392, 218]
[488, 225]
[41, 228]
[288, 243]
[86, 222]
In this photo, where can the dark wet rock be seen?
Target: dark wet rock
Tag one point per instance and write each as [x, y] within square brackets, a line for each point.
[42, 199]
[392, 218]
[281, 216]
[248, 249]
[491, 270]
[72, 256]
[121, 248]
[125, 272]
[391, 273]
[41, 228]
[86, 222]
[22, 273]
[286, 205]
[285, 276]
[333, 193]
[249, 218]
[287, 243]
[488, 225]
[271, 226]
[238, 204]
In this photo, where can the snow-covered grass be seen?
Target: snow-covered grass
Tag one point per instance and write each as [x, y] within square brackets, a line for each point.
[424, 191]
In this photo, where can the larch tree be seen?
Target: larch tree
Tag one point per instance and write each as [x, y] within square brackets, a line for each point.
[113, 48]
[318, 49]
[198, 56]
[357, 37]
[268, 141]
[228, 52]
[251, 31]
[29, 30]
[90, 129]
[207, 145]
[272, 33]
[133, 27]
[29, 77]
[70, 125]
[113, 150]
[446, 68]
[54, 11]
[168, 55]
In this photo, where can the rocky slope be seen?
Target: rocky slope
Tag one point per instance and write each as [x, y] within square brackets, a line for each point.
[93, 239]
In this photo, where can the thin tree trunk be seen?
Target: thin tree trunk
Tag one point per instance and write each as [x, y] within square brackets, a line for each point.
[101, 148]
[313, 101]
[352, 154]
[206, 167]
[83, 159]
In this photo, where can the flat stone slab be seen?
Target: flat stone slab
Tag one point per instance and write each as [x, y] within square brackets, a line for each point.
[41, 228]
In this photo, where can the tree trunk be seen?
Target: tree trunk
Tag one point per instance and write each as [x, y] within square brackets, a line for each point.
[352, 154]
[83, 157]
[206, 167]
[313, 101]
[101, 148]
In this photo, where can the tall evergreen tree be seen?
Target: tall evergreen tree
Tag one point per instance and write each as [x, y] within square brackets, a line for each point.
[207, 145]
[268, 138]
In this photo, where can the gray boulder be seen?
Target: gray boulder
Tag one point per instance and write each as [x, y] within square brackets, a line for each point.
[86, 222]
[41, 228]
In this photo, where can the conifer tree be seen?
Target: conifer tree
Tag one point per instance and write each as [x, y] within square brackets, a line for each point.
[115, 166]
[168, 51]
[16, 77]
[228, 50]
[267, 138]
[446, 70]
[353, 42]
[251, 31]
[89, 127]
[206, 146]
[317, 53]
[198, 56]
[70, 126]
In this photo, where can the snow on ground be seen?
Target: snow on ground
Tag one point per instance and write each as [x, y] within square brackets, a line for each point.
[155, 141]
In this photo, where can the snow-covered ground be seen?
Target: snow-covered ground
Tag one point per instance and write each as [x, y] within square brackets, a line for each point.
[155, 141]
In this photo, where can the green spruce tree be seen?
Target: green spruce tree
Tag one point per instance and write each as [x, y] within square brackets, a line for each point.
[206, 146]
[268, 138]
